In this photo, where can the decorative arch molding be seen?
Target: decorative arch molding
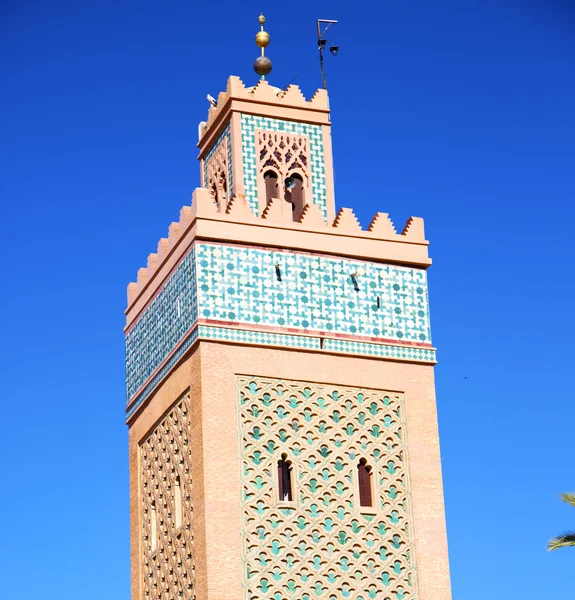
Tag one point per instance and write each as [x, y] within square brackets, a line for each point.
[286, 154]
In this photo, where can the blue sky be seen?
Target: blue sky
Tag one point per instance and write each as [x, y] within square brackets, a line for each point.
[461, 112]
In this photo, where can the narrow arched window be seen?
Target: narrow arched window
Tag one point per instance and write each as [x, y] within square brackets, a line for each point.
[178, 502]
[364, 481]
[271, 181]
[153, 527]
[222, 191]
[295, 196]
[284, 480]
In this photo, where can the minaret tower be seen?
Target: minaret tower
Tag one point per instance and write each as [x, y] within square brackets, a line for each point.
[279, 369]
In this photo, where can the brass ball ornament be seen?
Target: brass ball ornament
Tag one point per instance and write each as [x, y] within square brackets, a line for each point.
[262, 38]
[263, 65]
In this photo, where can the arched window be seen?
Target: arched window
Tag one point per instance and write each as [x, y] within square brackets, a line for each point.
[271, 181]
[178, 502]
[153, 527]
[222, 192]
[364, 481]
[284, 479]
[295, 196]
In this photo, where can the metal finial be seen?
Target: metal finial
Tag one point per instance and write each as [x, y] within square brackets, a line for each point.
[262, 64]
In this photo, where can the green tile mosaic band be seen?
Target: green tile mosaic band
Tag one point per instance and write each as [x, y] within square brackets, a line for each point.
[260, 338]
[166, 368]
[313, 293]
[252, 287]
[380, 350]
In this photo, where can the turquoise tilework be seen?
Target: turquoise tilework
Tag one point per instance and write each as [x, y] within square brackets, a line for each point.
[382, 350]
[186, 345]
[250, 123]
[261, 338]
[225, 134]
[162, 325]
[241, 286]
[316, 293]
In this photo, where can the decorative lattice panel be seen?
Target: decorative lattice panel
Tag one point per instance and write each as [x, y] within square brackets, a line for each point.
[283, 152]
[323, 546]
[217, 164]
[167, 542]
[217, 174]
[250, 157]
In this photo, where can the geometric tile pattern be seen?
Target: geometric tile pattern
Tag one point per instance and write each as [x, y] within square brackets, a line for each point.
[166, 493]
[260, 338]
[382, 350]
[323, 545]
[283, 290]
[172, 312]
[188, 342]
[314, 293]
[250, 123]
[224, 136]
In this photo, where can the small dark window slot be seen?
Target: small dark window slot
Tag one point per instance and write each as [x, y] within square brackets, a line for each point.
[284, 480]
[354, 281]
[278, 273]
[364, 481]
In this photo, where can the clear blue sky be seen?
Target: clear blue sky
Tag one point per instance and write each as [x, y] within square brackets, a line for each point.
[461, 112]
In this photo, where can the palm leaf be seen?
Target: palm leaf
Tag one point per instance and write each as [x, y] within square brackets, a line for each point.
[562, 541]
[569, 498]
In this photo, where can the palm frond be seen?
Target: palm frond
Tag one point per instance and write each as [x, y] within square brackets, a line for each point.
[569, 498]
[562, 541]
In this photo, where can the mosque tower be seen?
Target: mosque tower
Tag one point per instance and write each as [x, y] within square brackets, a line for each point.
[280, 386]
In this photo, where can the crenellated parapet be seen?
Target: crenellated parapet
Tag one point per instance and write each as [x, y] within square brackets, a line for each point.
[238, 224]
[251, 99]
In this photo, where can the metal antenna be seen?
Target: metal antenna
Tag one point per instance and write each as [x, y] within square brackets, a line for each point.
[321, 42]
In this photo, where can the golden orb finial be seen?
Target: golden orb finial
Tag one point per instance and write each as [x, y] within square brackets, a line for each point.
[262, 38]
[262, 65]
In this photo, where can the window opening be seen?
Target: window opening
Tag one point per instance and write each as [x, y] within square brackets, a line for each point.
[284, 479]
[295, 197]
[364, 480]
[178, 502]
[153, 527]
[271, 181]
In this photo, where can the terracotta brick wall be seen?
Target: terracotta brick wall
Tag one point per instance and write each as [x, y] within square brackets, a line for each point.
[210, 373]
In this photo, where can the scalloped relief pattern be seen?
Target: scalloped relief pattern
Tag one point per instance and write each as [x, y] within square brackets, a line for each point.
[322, 546]
[168, 561]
